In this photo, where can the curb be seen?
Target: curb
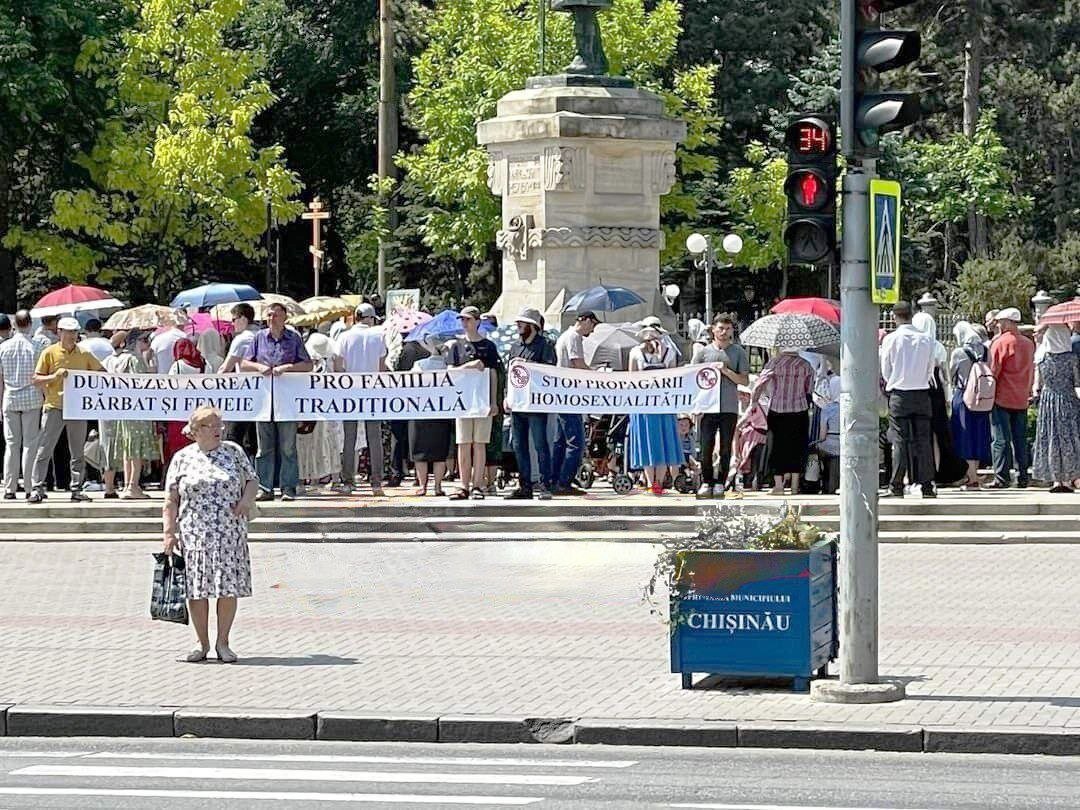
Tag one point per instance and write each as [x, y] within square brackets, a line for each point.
[31, 720]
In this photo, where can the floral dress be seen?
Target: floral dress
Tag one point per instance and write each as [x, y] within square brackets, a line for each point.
[212, 539]
[1057, 432]
[127, 439]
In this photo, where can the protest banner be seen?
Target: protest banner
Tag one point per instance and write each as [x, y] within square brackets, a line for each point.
[441, 394]
[165, 397]
[548, 389]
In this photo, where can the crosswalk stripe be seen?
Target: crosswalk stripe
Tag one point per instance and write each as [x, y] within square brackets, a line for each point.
[371, 760]
[327, 758]
[294, 775]
[241, 795]
[719, 806]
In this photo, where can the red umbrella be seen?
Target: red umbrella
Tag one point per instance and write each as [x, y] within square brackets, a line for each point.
[822, 307]
[1066, 313]
[74, 298]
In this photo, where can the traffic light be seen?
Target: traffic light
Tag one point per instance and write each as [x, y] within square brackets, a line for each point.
[867, 50]
[810, 188]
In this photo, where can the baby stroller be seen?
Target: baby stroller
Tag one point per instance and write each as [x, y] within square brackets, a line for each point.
[597, 453]
[622, 480]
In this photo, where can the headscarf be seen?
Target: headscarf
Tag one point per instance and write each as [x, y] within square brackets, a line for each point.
[697, 331]
[212, 348]
[185, 350]
[1056, 339]
[925, 323]
[966, 335]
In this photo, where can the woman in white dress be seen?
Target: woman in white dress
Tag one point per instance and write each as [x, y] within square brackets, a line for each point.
[318, 453]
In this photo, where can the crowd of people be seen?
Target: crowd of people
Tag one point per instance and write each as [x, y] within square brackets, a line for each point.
[949, 415]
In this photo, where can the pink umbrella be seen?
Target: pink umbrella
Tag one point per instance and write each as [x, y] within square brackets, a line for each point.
[822, 307]
[405, 320]
[200, 322]
[74, 298]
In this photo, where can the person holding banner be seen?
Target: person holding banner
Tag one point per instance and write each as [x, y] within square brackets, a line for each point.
[734, 371]
[655, 446]
[52, 367]
[429, 439]
[531, 347]
[362, 350]
[274, 351]
[127, 442]
[244, 331]
[474, 433]
[570, 438]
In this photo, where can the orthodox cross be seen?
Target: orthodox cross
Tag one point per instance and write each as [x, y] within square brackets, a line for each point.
[316, 214]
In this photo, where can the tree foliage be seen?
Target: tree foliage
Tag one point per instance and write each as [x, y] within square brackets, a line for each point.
[460, 76]
[174, 173]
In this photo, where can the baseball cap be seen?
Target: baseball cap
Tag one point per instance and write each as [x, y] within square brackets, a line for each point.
[1009, 314]
[529, 315]
[588, 315]
[68, 325]
[470, 312]
[365, 310]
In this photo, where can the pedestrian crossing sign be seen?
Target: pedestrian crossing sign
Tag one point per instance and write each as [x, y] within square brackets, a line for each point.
[885, 241]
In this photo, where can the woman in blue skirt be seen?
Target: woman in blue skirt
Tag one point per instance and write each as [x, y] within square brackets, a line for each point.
[970, 429]
[654, 438]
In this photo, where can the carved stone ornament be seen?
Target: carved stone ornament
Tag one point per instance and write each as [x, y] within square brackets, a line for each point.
[662, 172]
[496, 173]
[564, 168]
[596, 237]
[514, 239]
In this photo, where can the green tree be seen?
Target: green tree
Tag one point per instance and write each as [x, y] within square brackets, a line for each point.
[48, 107]
[754, 196]
[985, 284]
[479, 50]
[174, 176]
[961, 175]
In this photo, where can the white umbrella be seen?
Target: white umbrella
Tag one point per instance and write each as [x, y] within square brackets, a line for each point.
[790, 331]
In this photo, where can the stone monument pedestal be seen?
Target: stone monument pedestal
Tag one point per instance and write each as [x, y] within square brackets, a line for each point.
[580, 167]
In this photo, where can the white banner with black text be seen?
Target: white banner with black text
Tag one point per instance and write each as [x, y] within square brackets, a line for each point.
[165, 397]
[532, 387]
[440, 394]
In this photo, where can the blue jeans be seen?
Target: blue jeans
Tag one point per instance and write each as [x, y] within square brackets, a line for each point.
[534, 426]
[569, 448]
[1008, 428]
[277, 440]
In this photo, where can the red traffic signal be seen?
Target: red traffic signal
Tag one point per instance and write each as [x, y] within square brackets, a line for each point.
[809, 188]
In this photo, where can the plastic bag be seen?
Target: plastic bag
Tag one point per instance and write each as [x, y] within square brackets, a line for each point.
[168, 597]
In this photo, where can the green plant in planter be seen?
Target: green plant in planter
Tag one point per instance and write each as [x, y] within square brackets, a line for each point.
[730, 527]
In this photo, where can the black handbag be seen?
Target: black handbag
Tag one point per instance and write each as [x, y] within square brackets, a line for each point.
[168, 597]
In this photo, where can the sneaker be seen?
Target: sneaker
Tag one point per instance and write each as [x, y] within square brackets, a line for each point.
[9, 496]
[264, 495]
[94, 486]
[706, 491]
[543, 493]
[998, 484]
[718, 493]
[895, 493]
[928, 492]
[519, 495]
[112, 496]
[288, 495]
[80, 497]
[477, 494]
[1022, 484]
[392, 483]
[35, 497]
[570, 490]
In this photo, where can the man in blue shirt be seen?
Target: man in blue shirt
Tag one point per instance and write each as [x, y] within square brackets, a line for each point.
[276, 350]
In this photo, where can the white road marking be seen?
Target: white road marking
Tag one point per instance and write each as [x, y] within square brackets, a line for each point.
[367, 759]
[293, 775]
[328, 758]
[717, 806]
[241, 795]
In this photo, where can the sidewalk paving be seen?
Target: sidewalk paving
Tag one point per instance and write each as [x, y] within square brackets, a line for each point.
[986, 637]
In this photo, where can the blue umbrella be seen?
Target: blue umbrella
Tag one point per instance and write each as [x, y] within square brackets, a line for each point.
[210, 295]
[446, 324]
[603, 299]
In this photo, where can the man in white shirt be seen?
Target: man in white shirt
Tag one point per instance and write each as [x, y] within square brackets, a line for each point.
[22, 402]
[362, 349]
[93, 341]
[570, 438]
[162, 345]
[907, 368]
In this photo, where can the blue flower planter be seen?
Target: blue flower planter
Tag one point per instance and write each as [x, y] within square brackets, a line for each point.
[755, 614]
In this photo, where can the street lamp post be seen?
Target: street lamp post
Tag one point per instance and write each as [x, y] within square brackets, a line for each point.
[705, 259]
